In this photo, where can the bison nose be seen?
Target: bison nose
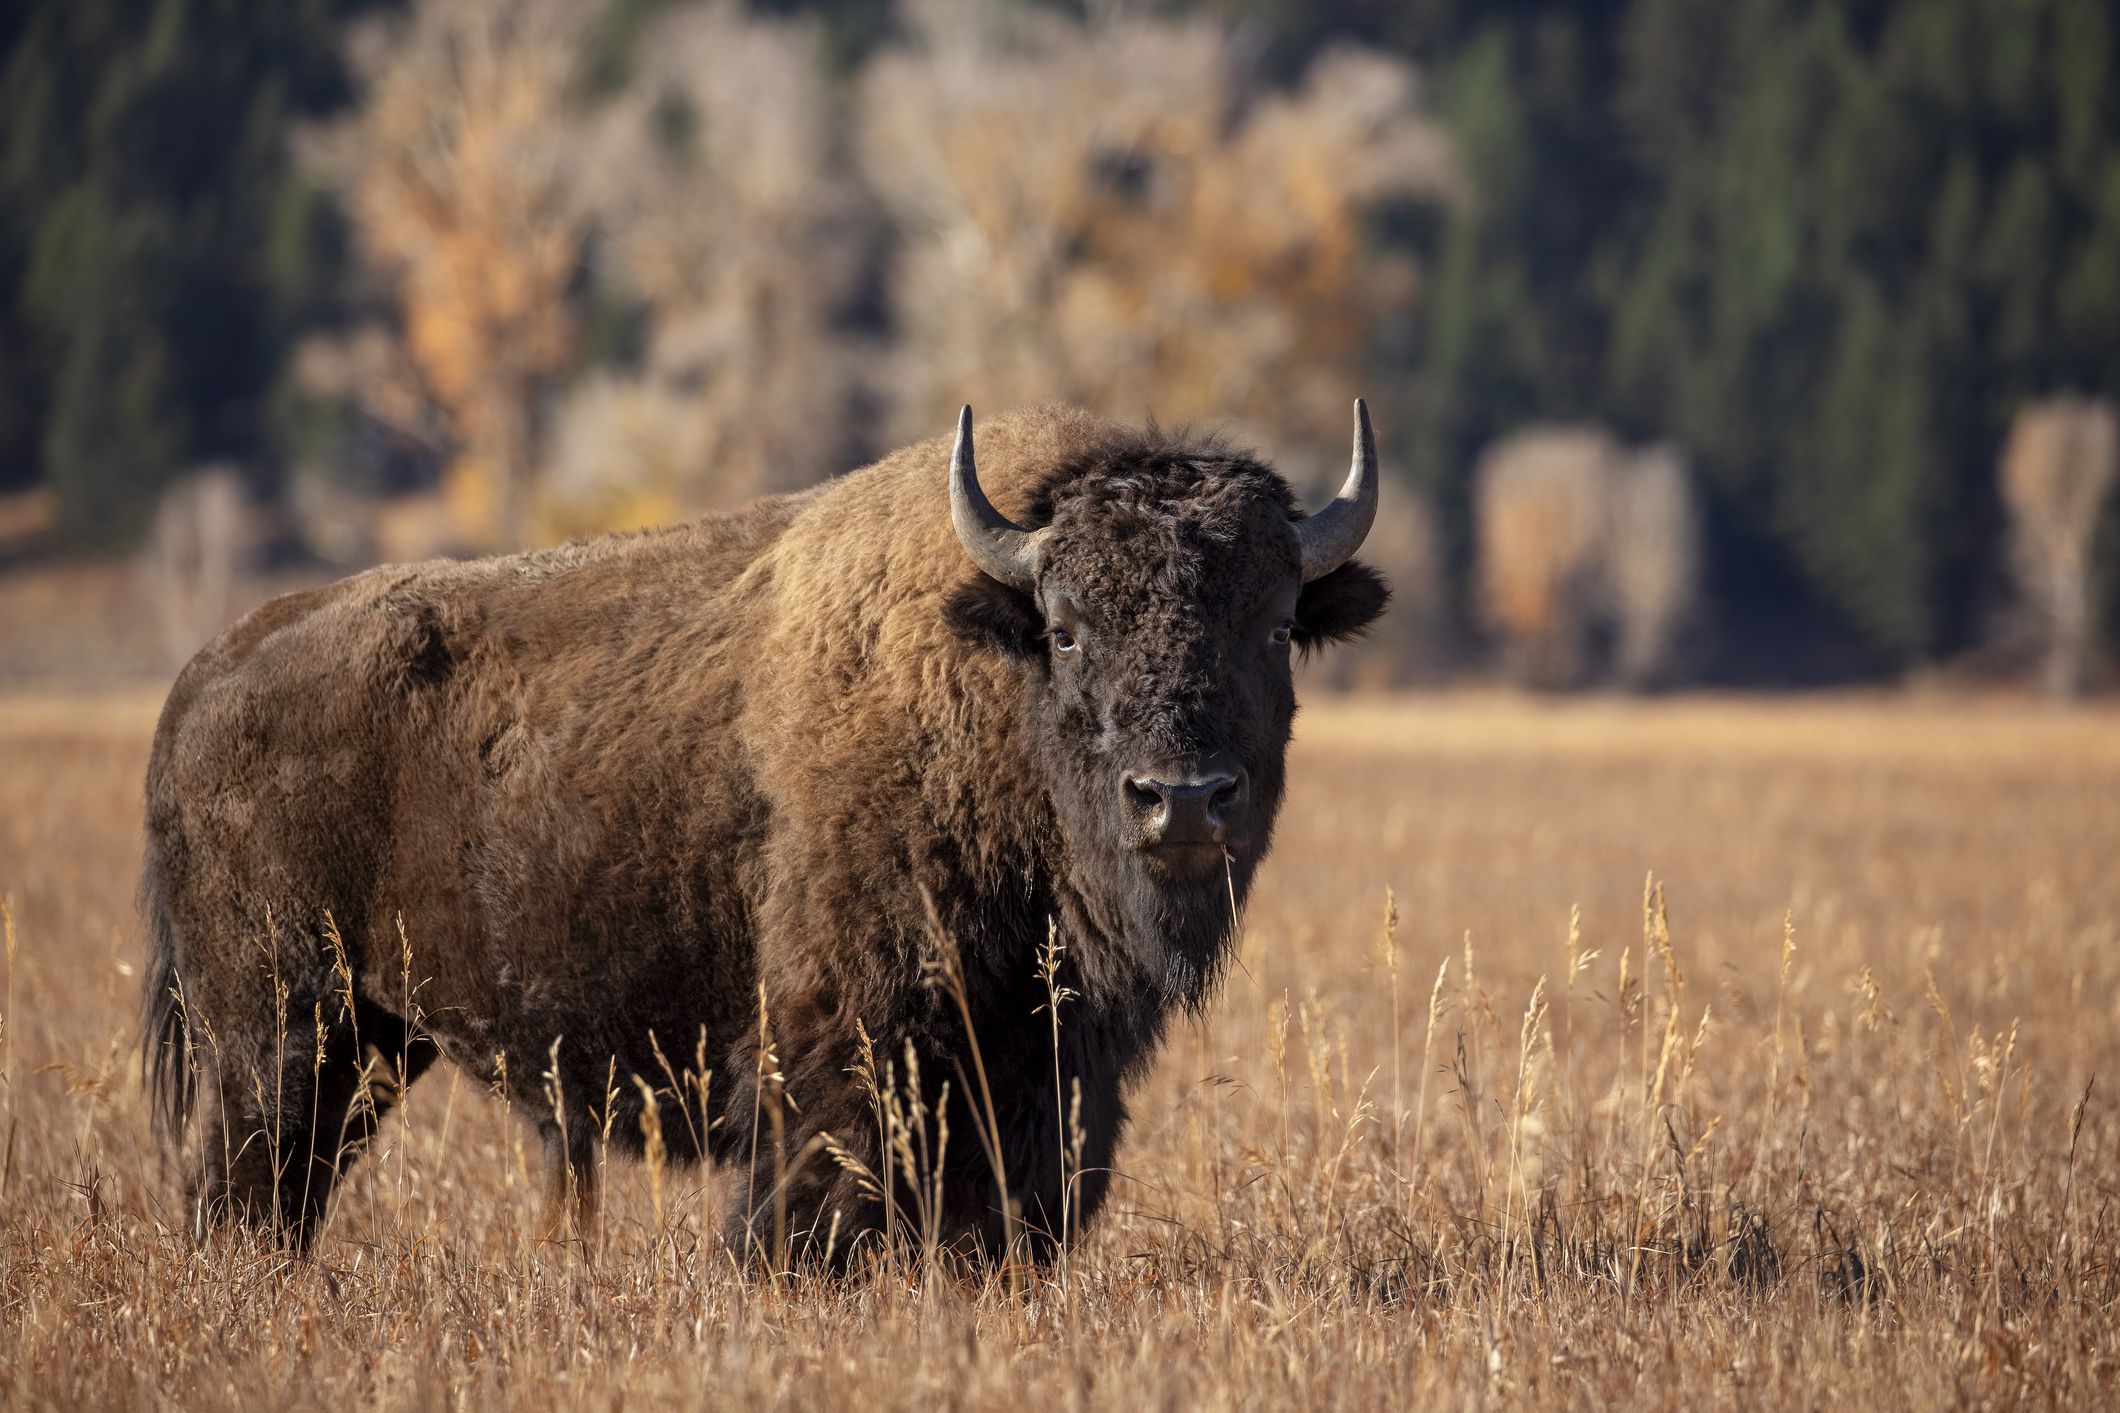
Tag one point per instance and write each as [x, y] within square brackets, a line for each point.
[1191, 807]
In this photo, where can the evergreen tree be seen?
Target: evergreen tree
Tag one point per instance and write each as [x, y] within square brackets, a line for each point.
[159, 253]
[1828, 248]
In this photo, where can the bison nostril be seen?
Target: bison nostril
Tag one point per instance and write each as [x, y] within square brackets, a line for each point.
[1143, 795]
[1226, 798]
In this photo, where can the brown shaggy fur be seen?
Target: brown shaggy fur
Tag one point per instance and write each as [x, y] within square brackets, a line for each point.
[619, 791]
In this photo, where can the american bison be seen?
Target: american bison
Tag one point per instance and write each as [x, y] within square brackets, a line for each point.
[687, 817]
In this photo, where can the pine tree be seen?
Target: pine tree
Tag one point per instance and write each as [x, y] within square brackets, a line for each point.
[158, 252]
[1826, 248]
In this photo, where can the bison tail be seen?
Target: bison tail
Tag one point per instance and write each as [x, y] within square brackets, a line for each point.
[165, 1020]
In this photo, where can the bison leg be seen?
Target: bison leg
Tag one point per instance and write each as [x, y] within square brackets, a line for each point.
[571, 1193]
[367, 1069]
[289, 1116]
[803, 1209]
[799, 1193]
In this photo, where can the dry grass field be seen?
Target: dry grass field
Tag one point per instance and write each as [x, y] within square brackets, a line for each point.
[1833, 1120]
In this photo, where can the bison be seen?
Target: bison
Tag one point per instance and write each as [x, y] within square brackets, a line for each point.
[666, 835]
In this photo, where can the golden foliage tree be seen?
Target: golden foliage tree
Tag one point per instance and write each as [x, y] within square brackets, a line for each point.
[193, 558]
[1577, 534]
[2057, 469]
[1109, 212]
[462, 174]
[724, 202]
[1652, 562]
[1539, 512]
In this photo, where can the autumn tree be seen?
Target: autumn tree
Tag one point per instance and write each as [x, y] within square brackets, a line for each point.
[1539, 506]
[2057, 471]
[462, 173]
[1579, 540]
[1652, 563]
[1115, 212]
[720, 192]
[193, 556]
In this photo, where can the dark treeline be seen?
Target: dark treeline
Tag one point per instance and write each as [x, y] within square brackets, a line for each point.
[157, 250]
[1826, 250]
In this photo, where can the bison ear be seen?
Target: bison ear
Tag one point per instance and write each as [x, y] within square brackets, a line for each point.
[1339, 605]
[989, 614]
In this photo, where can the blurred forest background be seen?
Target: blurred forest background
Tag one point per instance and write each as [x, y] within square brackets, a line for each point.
[1757, 342]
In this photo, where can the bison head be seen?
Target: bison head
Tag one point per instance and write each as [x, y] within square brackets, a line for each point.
[1155, 610]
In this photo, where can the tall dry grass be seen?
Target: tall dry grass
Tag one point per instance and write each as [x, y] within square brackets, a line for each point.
[1822, 1115]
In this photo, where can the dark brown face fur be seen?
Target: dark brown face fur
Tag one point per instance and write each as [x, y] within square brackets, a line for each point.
[1158, 652]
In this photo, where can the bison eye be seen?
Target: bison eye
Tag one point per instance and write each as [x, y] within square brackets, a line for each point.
[1283, 632]
[1063, 641]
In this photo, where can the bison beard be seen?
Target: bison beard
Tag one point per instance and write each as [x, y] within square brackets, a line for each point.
[690, 805]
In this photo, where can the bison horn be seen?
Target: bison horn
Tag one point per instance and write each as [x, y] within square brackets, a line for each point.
[1330, 537]
[1004, 549]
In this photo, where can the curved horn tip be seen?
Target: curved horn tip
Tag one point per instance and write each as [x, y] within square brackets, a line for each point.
[1004, 550]
[1365, 438]
[1330, 538]
[1365, 446]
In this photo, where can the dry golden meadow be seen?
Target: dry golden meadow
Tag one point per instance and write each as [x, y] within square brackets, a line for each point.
[1831, 1118]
